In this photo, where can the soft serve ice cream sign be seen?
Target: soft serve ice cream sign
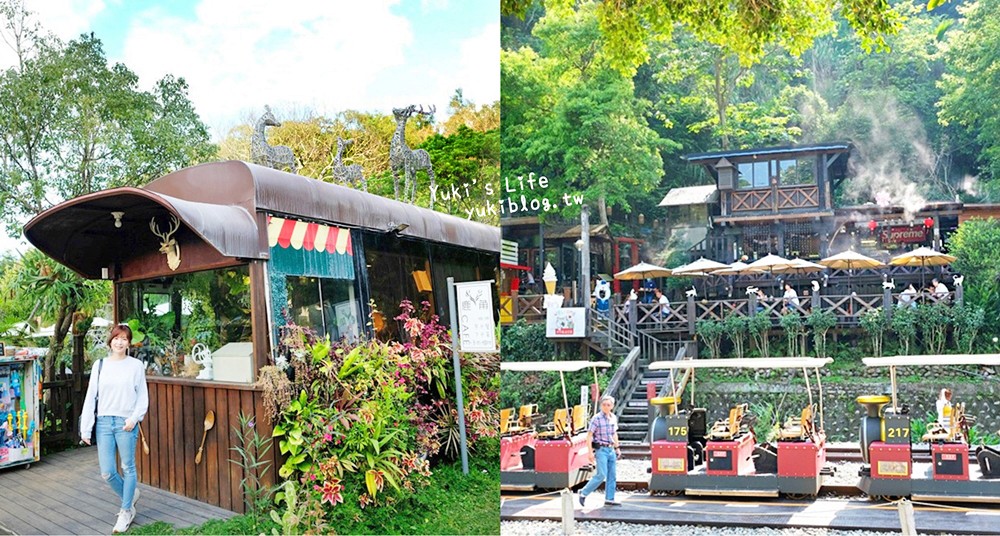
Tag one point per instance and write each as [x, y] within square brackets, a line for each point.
[561, 322]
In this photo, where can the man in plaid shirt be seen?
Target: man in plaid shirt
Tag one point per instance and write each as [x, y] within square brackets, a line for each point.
[603, 439]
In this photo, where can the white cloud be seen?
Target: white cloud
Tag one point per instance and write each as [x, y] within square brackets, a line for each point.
[239, 55]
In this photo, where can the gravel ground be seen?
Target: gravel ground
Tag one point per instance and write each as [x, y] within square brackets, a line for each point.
[553, 528]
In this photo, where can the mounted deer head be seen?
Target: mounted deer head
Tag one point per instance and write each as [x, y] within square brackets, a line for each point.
[168, 245]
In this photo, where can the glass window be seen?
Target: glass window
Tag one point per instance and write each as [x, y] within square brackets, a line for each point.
[174, 313]
[797, 172]
[329, 306]
[391, 263]
[745, 175]
[754, 174]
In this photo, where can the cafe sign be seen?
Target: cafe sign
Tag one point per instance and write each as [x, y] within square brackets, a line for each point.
[902, 234]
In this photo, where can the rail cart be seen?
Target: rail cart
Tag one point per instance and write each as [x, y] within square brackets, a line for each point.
[545, 456]
[725, 459]
[890, 472]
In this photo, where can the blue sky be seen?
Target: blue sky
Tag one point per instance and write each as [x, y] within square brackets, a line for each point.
[301, 57]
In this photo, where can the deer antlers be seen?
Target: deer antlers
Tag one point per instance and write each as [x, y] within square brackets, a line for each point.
[175, 224]
[428, 112]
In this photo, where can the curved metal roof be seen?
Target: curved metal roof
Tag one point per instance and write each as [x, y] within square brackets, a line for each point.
[219, 202]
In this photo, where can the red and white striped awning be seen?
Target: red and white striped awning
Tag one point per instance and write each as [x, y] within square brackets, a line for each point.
[297, 234]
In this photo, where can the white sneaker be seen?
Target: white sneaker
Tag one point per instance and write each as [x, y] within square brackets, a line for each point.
[125, 518]
[135, 499]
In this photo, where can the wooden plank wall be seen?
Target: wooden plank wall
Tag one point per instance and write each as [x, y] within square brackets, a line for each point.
[174, 426]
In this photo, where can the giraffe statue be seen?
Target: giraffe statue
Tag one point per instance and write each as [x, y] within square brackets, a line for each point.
[347, 174]
[277, 156]
[406, 160]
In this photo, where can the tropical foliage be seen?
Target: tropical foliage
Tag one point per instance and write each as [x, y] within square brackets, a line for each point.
[365, 422]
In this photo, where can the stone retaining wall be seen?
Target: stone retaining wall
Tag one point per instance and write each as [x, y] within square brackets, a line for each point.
[842, 414]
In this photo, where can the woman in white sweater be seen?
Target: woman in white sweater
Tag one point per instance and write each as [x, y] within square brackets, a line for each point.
[118, 391]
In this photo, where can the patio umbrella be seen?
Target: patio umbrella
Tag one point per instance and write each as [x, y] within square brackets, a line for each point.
[769, 264]
[735, 268]
[850, 261]
[800, 266]
[923, 257]
[641, 271]
[699, 268]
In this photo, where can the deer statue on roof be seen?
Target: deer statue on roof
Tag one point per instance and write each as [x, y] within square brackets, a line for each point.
[347, 174]
[276, 156]
[409, 161]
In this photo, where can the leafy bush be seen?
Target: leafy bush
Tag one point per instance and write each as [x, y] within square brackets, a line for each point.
[522, 341]
[934, 320]
[793, 326]
[759, 325]
[821, 321]
[968, 320]
[711, 332]
[736, 327]
[366, 420]
[904, 326]
[874, 322]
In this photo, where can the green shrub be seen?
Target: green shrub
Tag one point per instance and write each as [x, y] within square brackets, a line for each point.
[968, 321]
[874, 322]
[759, 326]
[793, 326]
[904, 326]
[737, 328]
[934, 320]
[821, 321]
[711, 332]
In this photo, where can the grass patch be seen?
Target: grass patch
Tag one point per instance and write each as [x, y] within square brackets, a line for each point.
[453, 503]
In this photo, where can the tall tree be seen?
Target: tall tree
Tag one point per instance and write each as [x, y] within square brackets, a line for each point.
[971, 82]
[744, 28]
[570, 116]
[71, 124]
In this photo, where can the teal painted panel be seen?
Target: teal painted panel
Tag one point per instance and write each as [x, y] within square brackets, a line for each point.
[311, 263]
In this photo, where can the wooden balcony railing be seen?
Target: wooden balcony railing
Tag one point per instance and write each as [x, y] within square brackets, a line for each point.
[632, 317]
[783, 198]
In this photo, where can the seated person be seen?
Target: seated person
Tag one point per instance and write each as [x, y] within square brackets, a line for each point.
[761, 298]
[791, 299]
[944, 408]
[908, 298]
[661, 299]
[938, 291]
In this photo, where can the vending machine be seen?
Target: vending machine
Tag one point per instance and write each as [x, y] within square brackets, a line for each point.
[20, 390]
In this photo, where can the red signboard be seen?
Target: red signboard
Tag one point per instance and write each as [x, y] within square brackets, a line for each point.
[902, 234]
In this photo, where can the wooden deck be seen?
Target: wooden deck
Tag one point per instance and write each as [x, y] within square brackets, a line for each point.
[65, 494]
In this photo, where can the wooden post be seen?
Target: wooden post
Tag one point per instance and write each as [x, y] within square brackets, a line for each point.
[633, 319]
[959, 295]
[816, 305]
[691, 315]
[906, 521]
[887, 303]
[79, 392]
[751, 304]
[568, 522]
[513, 305]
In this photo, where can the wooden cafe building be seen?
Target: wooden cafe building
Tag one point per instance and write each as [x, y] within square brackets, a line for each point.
[223, 254]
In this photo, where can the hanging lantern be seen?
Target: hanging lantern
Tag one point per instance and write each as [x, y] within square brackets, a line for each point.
[642, 219]
[872, 225]
[929, 222]
[610, 211]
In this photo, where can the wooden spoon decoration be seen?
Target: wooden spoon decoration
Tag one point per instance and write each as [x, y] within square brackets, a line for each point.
[209, 423]
[145, 446]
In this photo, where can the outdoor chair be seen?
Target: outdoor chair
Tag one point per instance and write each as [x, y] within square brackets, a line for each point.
[798, 428]
[559, 425]
[727, 429]
[950, 434]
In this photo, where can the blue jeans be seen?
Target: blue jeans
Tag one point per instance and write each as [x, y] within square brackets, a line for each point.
[112, 436]
[604, 458]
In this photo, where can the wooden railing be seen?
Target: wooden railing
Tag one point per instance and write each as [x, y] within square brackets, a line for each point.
[782, 198]
[624, 380]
